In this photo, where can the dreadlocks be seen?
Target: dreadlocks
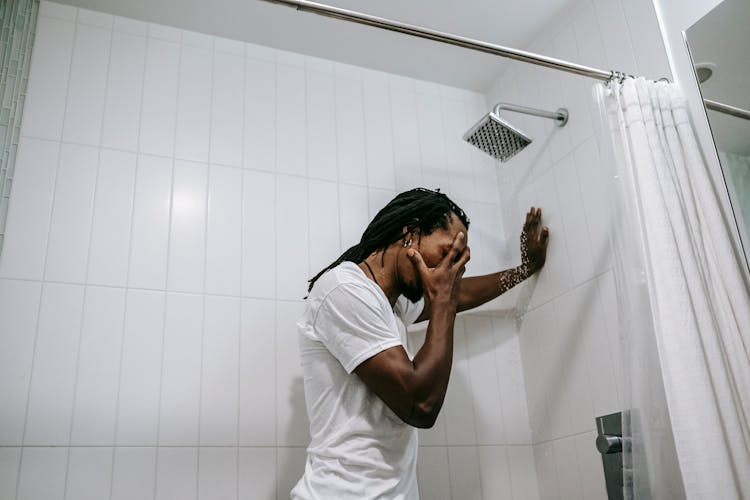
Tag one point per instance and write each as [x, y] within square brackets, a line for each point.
[419, 208]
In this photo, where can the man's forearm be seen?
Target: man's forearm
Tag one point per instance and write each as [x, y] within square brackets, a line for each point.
[432, 365]
[476, 290]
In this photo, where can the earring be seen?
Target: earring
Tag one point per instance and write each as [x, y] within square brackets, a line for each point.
[407, 243]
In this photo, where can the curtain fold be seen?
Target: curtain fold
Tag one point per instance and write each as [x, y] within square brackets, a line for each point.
[684, 302]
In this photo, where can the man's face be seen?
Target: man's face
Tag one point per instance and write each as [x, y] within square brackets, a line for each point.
[433, 248]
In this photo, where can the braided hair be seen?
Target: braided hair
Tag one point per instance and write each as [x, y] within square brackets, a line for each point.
[418, 208]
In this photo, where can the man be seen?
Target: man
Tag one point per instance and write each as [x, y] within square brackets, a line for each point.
[365, 396]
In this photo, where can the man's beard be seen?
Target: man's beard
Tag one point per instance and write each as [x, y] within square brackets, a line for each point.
[412, 291]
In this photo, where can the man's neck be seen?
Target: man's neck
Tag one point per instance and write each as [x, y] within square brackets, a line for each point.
[383, 271]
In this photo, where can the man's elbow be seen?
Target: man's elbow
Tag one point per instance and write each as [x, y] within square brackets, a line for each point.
[423, 415]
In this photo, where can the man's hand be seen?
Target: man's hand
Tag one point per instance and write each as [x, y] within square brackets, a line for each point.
[441, 283]
[534, 238]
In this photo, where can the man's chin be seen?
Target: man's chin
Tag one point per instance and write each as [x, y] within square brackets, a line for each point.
[413, 293]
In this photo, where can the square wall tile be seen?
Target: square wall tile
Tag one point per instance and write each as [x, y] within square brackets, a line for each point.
[218, 473]
[112, 218]
[458, 409]
[50, 406]
[324, 226]
[290, 465]
[187, 228]
[569, 480]
[179, 408]
[89, 475]
[293, 427]
[10, 462]
[87, 84]
[291, 123]
[159, 104]
[260, 115]
[257, 339]
[150, 230]
[511, 379]
[546, 471]
[258, 234]
[122, 106]
[494, 472]
[464, 472]
[47, 462]
[30, 210]
[321, 130]
[353, 214]
[224, 234]
[523, 472]
[140, 370]
[98, 369]
[133, 473]
[485, 388]
[433, 473]
[291, 242]
[19, 307]
[258, 478]
[576, 235]
[47, 89]
[70, 227]
[350, 128]
[226, 109]
[378, 131]
[194, 113]
[220, 372]
[176, 473]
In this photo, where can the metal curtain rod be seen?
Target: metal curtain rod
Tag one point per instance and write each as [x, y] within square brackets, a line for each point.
[468, 43]
[727, 109]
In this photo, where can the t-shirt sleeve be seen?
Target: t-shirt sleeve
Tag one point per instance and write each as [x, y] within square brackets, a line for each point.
[407, 310]
[354, 326]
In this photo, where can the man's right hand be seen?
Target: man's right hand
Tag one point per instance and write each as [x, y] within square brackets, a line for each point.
[441, 283]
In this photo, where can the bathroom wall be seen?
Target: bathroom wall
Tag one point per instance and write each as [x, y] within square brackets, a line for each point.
[173, 192]
[568, 335]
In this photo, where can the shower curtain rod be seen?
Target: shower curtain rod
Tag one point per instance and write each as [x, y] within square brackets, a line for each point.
[727, 109]
[468, 43]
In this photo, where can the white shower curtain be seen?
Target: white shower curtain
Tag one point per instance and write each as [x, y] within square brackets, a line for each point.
[684, 302]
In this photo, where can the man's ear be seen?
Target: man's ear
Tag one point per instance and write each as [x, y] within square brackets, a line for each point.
[412, 233]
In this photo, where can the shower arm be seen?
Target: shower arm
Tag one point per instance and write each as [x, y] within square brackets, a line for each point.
[560, 116]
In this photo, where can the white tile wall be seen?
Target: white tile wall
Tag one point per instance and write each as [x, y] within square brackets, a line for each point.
[567, 337]
[89, 473]
[173, 194]
[19, 307]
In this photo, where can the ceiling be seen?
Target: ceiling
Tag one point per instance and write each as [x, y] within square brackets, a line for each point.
[512, 23]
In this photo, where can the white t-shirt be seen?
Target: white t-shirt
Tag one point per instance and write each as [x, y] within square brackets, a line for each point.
[359, 449]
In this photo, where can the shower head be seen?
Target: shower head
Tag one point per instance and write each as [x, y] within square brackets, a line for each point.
[501, 140]
[497, 137]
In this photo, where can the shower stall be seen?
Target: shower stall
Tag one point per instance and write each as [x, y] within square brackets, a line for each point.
[173, 192]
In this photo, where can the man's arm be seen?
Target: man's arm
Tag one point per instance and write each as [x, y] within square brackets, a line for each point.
[415, 389]
[476, 290]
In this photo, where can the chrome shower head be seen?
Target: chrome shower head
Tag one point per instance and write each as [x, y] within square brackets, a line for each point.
[497, 137]
[501, 140]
